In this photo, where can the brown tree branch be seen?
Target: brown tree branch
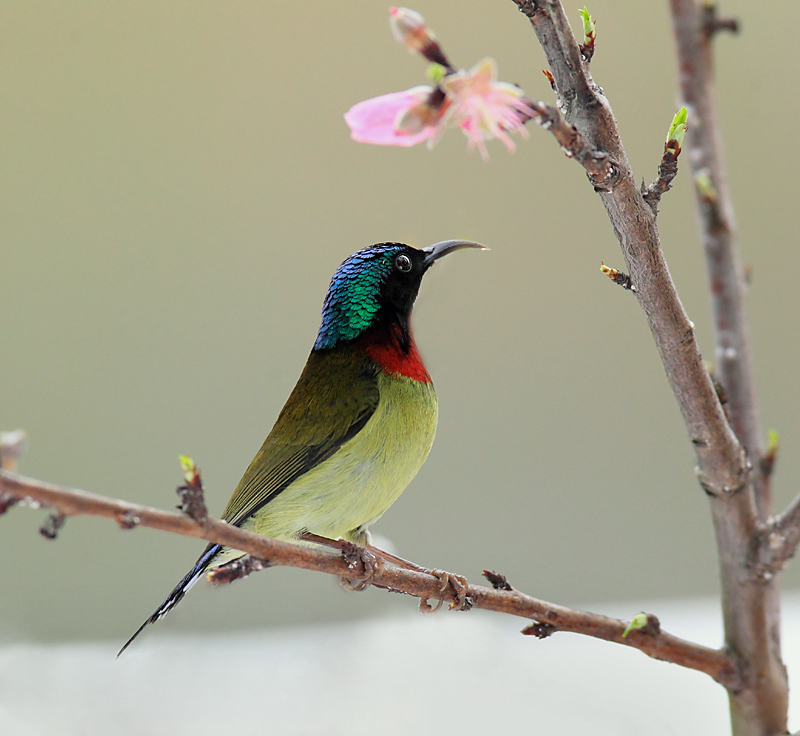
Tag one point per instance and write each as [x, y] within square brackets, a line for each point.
[601, 169]
[751, 609]
[737, 494]
[727, 285]
[270, 552]
[722, 465]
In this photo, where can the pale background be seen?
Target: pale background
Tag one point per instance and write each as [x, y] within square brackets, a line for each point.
[178, 187]
[393, 676]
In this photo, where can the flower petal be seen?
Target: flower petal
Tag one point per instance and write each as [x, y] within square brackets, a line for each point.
[374, 120]
[483, 107]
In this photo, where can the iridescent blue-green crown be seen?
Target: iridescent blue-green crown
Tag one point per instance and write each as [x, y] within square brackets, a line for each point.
[351, 303]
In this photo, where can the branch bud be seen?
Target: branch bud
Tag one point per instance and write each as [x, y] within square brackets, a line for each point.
[589, 36]
[639, 621]
[618, 277]
[190, 472]
[771, 455]
[191, 495]
[705, 186]
[676, 131]
[12, 445]
[773, 440]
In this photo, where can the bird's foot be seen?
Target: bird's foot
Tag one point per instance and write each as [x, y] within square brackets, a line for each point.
[463, 601]
[363, 562]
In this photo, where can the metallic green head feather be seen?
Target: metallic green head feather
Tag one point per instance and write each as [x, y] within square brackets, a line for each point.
[353, 300]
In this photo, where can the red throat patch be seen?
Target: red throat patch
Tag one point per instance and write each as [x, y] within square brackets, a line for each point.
[386, 351]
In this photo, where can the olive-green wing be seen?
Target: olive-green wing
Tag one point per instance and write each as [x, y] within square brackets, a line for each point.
[334, 398]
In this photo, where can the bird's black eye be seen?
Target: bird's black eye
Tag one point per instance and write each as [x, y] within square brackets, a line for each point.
[402, 263]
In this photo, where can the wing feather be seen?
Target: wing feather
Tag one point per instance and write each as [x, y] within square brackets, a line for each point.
[334, 398]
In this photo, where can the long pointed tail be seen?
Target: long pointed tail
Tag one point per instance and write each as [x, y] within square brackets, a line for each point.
[180, 590]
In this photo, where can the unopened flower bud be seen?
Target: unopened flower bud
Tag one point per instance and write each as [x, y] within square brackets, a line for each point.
[409, 28]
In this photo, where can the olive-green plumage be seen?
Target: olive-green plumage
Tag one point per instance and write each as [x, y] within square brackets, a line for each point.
[357, 426]
[347, 443]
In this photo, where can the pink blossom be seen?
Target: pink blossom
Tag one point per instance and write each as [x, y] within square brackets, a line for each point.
[396, 119]
[483, 107]
[471, 100]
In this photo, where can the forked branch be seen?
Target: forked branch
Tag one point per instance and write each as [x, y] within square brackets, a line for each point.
[779, 540]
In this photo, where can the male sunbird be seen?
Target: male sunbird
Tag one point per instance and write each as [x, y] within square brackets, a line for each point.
[357, 426]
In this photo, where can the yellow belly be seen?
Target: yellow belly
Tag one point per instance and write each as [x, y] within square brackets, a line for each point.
[346, 493]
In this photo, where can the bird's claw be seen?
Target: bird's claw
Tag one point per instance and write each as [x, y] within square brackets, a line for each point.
[357, 557]
[459, 584]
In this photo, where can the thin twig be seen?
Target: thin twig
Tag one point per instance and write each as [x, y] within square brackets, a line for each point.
[601, 169]
[193, 502]
[667, 171]
[271, 552]
[618, 277]
[236, 570]
[497, 581]
[712, 23]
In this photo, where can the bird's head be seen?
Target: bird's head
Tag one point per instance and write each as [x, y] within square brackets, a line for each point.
[377, 284]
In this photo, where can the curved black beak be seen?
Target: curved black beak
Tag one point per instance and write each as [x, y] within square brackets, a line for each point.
[436, 251]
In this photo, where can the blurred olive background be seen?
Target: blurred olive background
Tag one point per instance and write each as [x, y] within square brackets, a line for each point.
[178, 187]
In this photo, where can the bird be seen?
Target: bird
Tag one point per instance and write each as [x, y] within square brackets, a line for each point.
[358, 425]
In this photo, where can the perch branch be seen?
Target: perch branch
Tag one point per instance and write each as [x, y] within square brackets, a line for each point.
[271, 552]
